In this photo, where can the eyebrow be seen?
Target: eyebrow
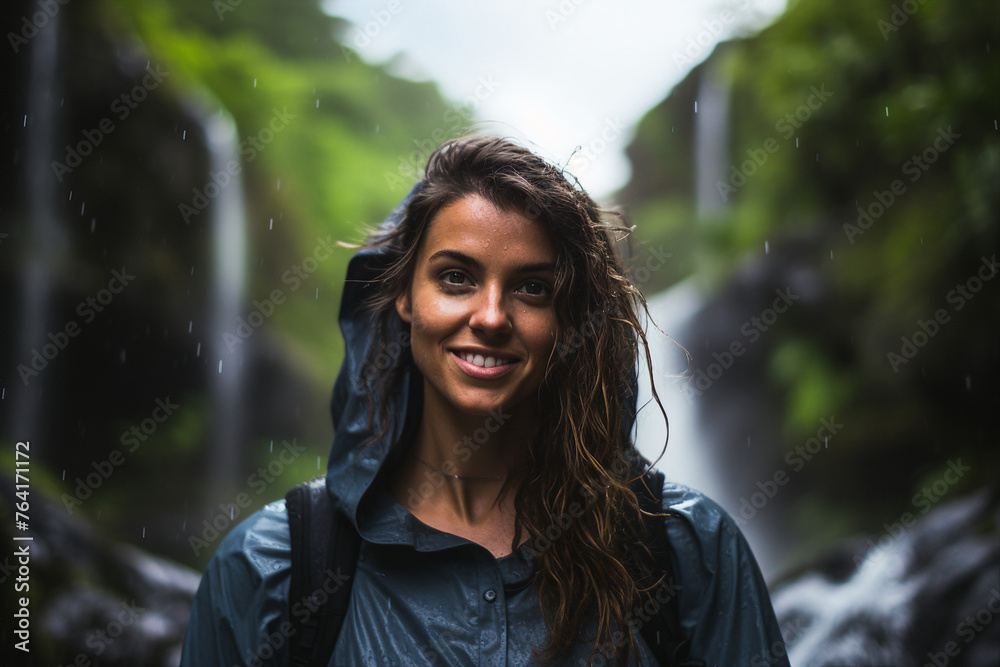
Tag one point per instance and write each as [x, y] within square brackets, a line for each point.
[476, 264]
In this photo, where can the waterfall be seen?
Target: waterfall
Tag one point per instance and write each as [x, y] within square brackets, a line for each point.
[686, 460]
[693, 458]
[711, 134]
[227, 216]
[46, 241]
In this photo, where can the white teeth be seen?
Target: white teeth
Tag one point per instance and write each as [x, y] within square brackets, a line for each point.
[483, 362]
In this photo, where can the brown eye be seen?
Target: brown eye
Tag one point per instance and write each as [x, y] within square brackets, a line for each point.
[454, 277]
[534, 288]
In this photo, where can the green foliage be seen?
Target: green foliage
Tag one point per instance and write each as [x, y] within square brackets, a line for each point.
[323, 176]
[859, 98]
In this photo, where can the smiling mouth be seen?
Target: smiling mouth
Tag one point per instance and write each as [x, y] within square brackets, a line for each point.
[483, 361]
[483, 366]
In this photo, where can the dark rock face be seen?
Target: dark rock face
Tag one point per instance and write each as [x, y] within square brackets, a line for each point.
[924, 592]
[92, 597]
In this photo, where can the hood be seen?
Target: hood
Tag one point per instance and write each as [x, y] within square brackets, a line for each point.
[352, 468]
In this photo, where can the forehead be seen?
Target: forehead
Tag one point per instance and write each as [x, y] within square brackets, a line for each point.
[474, 224]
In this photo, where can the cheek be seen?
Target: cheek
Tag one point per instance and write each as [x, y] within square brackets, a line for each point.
[541, 333]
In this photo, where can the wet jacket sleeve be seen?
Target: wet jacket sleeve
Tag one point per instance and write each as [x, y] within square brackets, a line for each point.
[724, 605]
[239, 616]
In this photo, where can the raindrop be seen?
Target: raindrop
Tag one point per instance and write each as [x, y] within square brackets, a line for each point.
[826, 442]
[121, 355]
[317, 104]
[197, 352]
[279, 184]
[192, 270]
[696, 106]
[64, 474]
[82, 207]
[220, 365]
[143, 532]
[190, 324]
[61, 102]
[748, 441]
[184, 135]
[270, 225]
[317, 463]
[272, 445]
[377, 126]
[796, 142]
[71, 195]
[968, 383]
[255, 82]
[317, 293]
[767, 249]
[831, 254]
[887, 112]
[93, 224]
[231, 510]
[25, 121]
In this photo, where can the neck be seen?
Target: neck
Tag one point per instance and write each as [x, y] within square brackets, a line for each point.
[465, 467]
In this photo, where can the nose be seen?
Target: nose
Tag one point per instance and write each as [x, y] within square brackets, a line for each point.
[489, 314]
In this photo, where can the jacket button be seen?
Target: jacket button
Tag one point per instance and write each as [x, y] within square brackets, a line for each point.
[490, 595]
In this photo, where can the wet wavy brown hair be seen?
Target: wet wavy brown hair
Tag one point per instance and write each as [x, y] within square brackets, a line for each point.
[591, 566]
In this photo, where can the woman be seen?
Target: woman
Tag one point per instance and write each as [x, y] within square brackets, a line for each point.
[482, 452]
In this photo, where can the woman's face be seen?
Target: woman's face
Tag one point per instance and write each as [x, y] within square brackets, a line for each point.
[480, 307]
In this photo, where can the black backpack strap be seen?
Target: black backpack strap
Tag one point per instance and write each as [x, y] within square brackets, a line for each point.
[324, 555]
[662, 631]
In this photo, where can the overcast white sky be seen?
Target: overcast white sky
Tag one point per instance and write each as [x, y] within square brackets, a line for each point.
[557, 74]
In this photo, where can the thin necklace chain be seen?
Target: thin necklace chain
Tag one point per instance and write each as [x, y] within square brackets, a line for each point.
[467, 478]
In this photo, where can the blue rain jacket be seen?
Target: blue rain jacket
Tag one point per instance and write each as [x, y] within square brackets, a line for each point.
[424, 597]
